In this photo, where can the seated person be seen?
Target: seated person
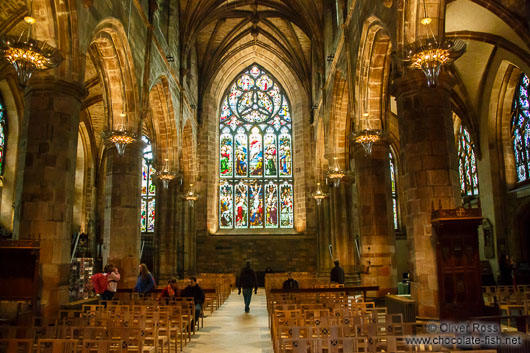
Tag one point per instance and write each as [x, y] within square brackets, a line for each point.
[193, 290]
[171, 290]
[290, 283]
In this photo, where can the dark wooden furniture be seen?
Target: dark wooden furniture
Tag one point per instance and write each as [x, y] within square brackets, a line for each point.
[19, 261]
[455, 232]
[347, 290]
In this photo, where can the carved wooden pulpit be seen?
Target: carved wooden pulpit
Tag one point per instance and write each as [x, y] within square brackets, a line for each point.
[455, 233]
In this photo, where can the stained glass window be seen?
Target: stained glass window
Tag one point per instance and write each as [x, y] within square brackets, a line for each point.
[395, 209]
[3, 135]
[255, 154]
[521, 130]
[467, 163]
[147, 224]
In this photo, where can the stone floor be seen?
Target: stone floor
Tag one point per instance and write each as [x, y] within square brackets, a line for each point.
[229, 329]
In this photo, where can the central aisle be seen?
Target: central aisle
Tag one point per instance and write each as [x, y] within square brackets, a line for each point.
[230, 330]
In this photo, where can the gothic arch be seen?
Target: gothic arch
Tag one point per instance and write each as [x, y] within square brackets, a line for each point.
[163, 123]
[339, 122]
[373, 71]
[294, 89]
[112, 57]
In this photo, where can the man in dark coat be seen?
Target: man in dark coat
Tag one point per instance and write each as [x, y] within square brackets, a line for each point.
[248, 281]
[290, 283]
[193, 290]
[337, 274]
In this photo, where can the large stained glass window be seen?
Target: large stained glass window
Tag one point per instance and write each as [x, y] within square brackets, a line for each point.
[467, 163]
[395, 208]
[521, 130]
[147, 224]
[3, 135]
[255, 146]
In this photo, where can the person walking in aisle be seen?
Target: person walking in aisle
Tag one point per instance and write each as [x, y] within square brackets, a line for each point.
[248, 281]
[337, 273]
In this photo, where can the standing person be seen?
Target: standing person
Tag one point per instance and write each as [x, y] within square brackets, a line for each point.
[193, 290]
[337, 273]
[290, 283]
[145, 283]
[247, 281]
[506, 268]
[113, 276]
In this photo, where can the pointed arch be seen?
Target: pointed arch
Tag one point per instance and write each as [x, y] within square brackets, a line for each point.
[163, 123]
[373, 71]
[112, 57]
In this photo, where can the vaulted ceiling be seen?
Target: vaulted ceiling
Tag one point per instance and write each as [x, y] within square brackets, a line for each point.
[220, 29]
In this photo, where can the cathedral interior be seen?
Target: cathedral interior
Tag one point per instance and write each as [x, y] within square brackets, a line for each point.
[195, 135]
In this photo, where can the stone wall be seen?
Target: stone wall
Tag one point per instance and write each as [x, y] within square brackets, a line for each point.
[228, 253]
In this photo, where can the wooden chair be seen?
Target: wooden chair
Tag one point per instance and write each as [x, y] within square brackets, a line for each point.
[56, 346]
[102, 346]
[20, 345]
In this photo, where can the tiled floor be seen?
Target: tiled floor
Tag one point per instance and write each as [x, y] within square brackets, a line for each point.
[229, 329]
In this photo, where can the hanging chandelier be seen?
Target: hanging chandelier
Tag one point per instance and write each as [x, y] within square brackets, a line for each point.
[430, 54]
[335, 172]
[191, 196]
[120, 138]
[28, 55]
[319, 194]
[367, 138]
[166, 175]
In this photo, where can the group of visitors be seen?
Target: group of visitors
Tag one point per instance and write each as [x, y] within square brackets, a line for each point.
[247, 283]
[106, 285]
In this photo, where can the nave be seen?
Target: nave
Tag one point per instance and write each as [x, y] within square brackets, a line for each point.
[231, 330]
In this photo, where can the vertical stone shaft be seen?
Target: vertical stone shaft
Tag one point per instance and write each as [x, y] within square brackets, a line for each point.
[121, 225]
[342, 234]
[166, 232]
[45, 187]
[429, 169]
[375, 217]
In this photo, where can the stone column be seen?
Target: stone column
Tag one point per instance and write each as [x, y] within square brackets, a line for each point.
[166, 231]
[190, 239]
[375, 217]
[121, 223]
[341, 225]
[324, 261]
[429, 174]
[45, 185]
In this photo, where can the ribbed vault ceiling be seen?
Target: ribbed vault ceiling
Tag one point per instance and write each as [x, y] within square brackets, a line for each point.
[220, 29]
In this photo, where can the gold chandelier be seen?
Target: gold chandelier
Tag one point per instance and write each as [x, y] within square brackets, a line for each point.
[28, 55]
[191, 196]
[335, 172]
[166, 175]
[430, 54]
[367, 138]
[120, 138]
[319, 195]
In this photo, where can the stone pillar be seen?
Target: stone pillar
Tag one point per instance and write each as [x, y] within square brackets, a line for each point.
[190, 239]
[166, 232]
[429, 175]
[341, 225]
[375, 217]
[121, 223]
[324, 261]
[45, 185]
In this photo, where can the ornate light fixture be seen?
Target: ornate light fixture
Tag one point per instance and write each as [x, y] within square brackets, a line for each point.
[120, 138]
[319, 195]
[28, 55]
[430, 54]
[166, 175]
[367, 138]
[335, 172]
[191, 196]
